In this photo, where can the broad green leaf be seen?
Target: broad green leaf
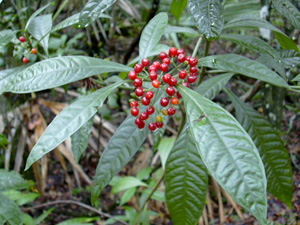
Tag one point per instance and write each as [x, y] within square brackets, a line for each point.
[127, 195]
[178, 7]
[252, 43]
[21, 198]
[228, 152]
[242, 65]
[157, 195]
[39, 28]
[297, 78]
[212, 86]
[164, 148]
[68, 122]
[58, 71]
[6, 36]
[33, 16]
[152, 33]
[271, 148]
[285, 42]
[123, 145]
[9, 212]
[79, 221]
[80, 139]
[233, 9]
[186, 30]
[272, 63]
[8, 75]
[11, 180]
[288, 10]
[186, 181]
[289, 58]
[43, 216]
[126, 183]
[92, 10]
[207, 16]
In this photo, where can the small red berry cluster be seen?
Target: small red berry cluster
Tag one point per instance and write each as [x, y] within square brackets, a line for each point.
[33, 50]
[161, 77]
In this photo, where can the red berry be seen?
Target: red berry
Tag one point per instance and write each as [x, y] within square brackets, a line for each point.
[149, 95]
[134, 103]
[132, 75]
[135, 111]
[25, 60]
[22, 39]
[185, 84]
[178, 94]
[139, 91]
[159, 124]
[153, 68]
[173, 81]
[171, 111]
[164, 102]
[193, 61]
[166, 78]
[144, 116]
[138, 82]
[164, 67]
[192, 79]
[170, 91]
[153, 75]
[165, 112]
[182, 74]
[145, 62]
[175, 101]
[166, 60]
[150, 110]
[138, 121]
[33, 51]
[193, 69]
[156, 83]
[181, 58]
[188, 58]
[152, 126]
[156, 64]
[172, 52]
[159, 118]
[163, 55]
[145, 101]
[138, 68]
[180, 51]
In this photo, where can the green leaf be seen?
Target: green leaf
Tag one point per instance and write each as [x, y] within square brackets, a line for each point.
[68, 122]
[207, 16]
[288, 10]
[127, 195]
[33, 16]
[8, 75]
[212, 86]
[80, 139]
[126, 183]
[11, 180]
[297, 78]
[3, 141]
[6, 36]
[285, 42]
[185, 30]
[43, 216]
[152, 34]
[92, 10]
[239, 64]
[58, 71]
[9, 211]
[289, 58]
[235, 9]
[228, 152]
[178, 7]
[164, 148]
[21, 198]
[39, 28]
[186, 181]
[252, 43]
[79, 221]
[271, 148]
[272, 63]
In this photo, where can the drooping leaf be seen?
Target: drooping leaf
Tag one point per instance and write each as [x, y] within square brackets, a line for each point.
[186, 181]
[11, 180]
[58, 71]
[152, 33]
[39, 28]
[272, 63]
[289, 58]
[126, 183]
[127, 195]
[285, 42]
[208, 17]
[37, 12]
[177, 29]
[9, 74]
[6, 36]
[80, 139]
[242, 65]
[68, 122]
[9, 212]
[164, 148]
[271, 148]
[288, 10]
[121, 148]
[252, 43]
[178, 7]
[92, 10]
[212, 86]
[228, 152]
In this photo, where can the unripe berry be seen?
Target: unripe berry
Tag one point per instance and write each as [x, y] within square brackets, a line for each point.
[139, 91]
[182, 74]
[156, 83]
[170, 90]
[159, 118]
[138, 68]
[145, 101]
[145, 62]
[132, 75]
[135, 111]
[166, 78]
[164, 102]
[165, 112]
[173, 81]
[138, 82]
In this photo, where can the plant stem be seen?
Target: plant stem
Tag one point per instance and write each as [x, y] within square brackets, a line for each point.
[202, 73]
[197, 46]
[61, 7]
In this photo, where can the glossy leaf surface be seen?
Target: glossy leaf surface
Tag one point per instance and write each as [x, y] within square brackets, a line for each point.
[11, 180]
[271, 148]
[289, 58]
[164, 148]
[186, 181]
[58, 71]
[242, 65]
[152, 34]
[185, 30]
[68, 122]
[8, 75]
[228, 152]
[178, 7]
[9, 212]
[208, 17]
[126, 183]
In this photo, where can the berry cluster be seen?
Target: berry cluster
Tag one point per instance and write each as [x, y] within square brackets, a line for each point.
[33, 50]
[165, 74]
